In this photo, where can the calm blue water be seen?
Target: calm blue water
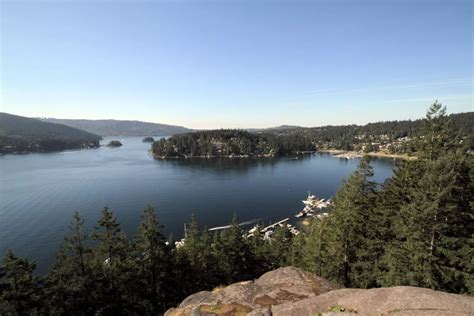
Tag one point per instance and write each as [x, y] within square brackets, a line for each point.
[40, 192]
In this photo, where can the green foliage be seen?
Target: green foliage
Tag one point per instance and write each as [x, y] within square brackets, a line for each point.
[111, 264]
[233, 254]
[70, 280]
[199, 253]
[224, 143]
[20, 293]
[416, 230]
[434, 230]
[153, 263]
[436, 136]
[349, 233]
[280, 247]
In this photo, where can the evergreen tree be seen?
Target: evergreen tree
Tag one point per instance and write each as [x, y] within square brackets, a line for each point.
[436, 228]
[295, 253]
[351, 231]
[153, 263]
[112, 242]
[261, 250]
[233, 255]
[208, 269]
[280, 246]
[192, 245]
[70, 281]
[3, 287]
[398, 192]
[435, 225]
[315, 256]
[111, 264]
[436, 135]
[21, 288]
[200, 256]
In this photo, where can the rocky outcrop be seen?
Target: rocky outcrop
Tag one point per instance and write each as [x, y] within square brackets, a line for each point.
[255, 297]
[400, 300]
[291, 291]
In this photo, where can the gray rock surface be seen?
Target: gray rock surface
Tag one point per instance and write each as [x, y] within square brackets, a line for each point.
[400, 300]
[292, 292]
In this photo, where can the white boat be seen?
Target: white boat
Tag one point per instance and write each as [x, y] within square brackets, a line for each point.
[313, 205]
[300, 214]
[251, 231]
[310, 200]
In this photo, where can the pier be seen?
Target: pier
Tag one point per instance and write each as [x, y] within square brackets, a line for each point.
[313, 208]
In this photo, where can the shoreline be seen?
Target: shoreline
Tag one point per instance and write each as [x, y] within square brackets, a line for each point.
[334, 152]
[29, 152]
[357, 154]
[296, 154]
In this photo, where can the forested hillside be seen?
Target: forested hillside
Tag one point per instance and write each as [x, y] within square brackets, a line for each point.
[393, 137]
[20, 134]
[416, 229]
[225, 143]
[121, 128]
[390, 136]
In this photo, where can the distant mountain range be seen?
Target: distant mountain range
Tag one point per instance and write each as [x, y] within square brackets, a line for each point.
[120, 127]
[20, 134]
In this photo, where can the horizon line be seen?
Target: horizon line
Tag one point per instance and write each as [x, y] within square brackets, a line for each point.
[218, 128]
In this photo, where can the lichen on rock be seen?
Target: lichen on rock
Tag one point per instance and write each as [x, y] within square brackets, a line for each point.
[293, 292]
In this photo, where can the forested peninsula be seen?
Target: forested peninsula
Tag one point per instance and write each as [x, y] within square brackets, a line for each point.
[230, 143]
[415, 229]
[20, 135]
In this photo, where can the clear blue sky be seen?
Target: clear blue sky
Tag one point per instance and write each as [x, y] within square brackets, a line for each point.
[210, 64]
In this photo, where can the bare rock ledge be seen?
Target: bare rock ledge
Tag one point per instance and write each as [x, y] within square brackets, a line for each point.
[292, 292]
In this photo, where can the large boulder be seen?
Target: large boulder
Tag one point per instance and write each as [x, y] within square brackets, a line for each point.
[293, 292]
[273, 288]
[399, 300]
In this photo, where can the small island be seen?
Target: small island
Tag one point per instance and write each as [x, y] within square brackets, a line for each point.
[114, 143]
[230, 143]
[148, 140]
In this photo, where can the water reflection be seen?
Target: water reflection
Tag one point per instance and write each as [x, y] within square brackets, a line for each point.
[232, 165]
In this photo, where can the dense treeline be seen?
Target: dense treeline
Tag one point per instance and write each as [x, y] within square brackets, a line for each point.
[415, 229]
[395, 134]
[104, 272]
[226, 142]
[390, 137]
[21, 134]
